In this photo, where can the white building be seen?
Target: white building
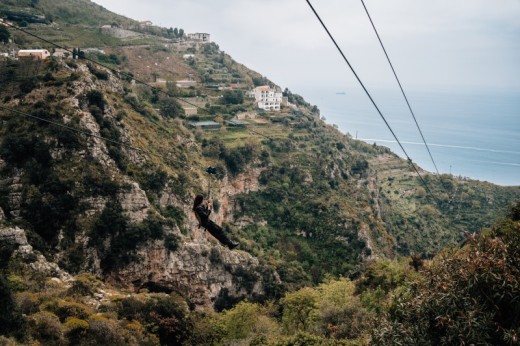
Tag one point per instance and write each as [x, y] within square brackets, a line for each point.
[266, 98]
[199, 36]
[36, 54]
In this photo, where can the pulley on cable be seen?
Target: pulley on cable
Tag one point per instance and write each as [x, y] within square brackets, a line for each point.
[211, 171]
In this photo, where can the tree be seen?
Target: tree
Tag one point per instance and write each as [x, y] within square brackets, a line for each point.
[171, 87]
[4, 34]
[300, 310]
[232, 97]
[181, 32]
[170, 108]
[11, 320]
[464, 297]
[176, 32]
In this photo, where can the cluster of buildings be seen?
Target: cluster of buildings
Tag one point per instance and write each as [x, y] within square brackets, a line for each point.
[267, 98]
[44, 54]
[199, 37]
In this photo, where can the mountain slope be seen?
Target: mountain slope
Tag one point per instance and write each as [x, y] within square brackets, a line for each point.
[304, 200]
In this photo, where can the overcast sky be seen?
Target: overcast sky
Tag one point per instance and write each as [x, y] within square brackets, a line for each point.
[441, 44]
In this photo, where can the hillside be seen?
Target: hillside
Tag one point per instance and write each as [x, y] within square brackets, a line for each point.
[95, 207]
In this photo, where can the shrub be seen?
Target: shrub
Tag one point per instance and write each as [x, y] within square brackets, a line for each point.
[169, 314]
[28, 303]
[46, 327]
[67, 310]
[341, 313]
[232, 97]
[174, 213]
[76, 330]
[154, 181]
[100, 74]
[7, 341]
[28, 86]
[84, 285]
[208, 328]
[171, 242]
[215, 257]
[300, 310]
[466, 297]
[16, 283]
[103, 331]
[11, 321]
[170, 108]
[307, 339]
[247, 321]
[17, 150]
[96, 98]
[131, 309]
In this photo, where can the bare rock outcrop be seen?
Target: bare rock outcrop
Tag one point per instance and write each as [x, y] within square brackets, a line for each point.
[134, 202]
[200, 272]
[14, 239]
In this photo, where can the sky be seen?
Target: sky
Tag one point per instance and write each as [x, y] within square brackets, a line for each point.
[434, 45]
[445, 46]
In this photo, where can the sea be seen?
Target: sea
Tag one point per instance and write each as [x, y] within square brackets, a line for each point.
[474, 134]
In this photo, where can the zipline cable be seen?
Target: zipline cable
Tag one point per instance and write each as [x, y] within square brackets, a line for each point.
[205, 110]
[130, 76]
[69, 128]
[400, 86]
[117, 72]
[372, 100]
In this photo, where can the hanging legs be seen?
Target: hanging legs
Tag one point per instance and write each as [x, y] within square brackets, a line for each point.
[217, 231]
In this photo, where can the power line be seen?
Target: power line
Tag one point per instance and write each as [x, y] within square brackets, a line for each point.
[371, 99]
[69, 128]
[123, 73]
[400, 86]
[117, 72]
[130, 76]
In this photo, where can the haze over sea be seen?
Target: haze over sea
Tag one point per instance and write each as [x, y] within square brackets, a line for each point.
[471, 134]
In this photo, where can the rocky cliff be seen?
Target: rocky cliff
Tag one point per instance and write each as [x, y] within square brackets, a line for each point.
[98, 174]
[196, 265]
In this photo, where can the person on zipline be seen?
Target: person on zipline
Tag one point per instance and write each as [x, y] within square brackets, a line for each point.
[202, 212]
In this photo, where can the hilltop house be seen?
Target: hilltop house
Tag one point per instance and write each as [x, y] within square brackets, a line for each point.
[35, 54]
[199, 36]
[266, 98]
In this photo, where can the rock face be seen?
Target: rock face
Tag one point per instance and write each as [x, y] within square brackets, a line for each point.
[134, 202]
[14, 238]
[243, 183]
[203, 273]
[200, 268]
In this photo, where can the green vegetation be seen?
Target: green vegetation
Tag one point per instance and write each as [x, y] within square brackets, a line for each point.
[466, 295]
[4, 35]
[310, 204]
[232, 97]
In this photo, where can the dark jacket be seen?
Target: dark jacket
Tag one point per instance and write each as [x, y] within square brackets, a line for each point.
[202, 212]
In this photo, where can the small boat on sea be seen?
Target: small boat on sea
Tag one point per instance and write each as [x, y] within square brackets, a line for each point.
[341, 93]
